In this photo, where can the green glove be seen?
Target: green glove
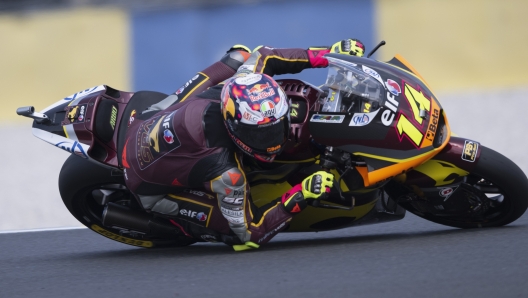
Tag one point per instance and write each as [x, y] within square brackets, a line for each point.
[315, 185]
[348, 47]
[312, 187]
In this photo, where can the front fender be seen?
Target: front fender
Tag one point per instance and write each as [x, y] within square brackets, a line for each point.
[457, 159]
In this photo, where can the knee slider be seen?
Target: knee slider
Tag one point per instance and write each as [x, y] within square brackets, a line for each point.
[149, 201]
[159, 204]
[166, 207]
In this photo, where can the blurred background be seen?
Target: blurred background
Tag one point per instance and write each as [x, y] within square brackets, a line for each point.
[472, 53]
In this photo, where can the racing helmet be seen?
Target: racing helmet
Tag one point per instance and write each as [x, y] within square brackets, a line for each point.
[256, 115]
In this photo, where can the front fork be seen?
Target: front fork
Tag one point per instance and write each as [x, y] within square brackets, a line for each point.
[440, 185]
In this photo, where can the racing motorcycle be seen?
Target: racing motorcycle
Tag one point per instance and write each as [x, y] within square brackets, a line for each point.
[377, 126]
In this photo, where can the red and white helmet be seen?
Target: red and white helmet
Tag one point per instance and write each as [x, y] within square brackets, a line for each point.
[256, 115]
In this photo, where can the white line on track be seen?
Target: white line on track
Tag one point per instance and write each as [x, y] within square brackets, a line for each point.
[42, 230]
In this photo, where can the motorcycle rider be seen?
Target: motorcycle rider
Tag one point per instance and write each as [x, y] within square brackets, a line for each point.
[196, 140]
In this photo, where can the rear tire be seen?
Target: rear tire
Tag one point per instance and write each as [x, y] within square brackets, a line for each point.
[499, 175]
[78, 178]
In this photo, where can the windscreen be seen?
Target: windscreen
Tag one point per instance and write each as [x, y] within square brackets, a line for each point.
[350, 86]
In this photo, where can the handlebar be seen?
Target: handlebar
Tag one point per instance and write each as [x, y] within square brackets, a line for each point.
[327, 164]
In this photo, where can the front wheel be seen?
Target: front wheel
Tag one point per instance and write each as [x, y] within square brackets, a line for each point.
[79, 182]
[495, 194]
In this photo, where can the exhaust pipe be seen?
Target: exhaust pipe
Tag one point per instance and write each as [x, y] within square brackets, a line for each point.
[119, 216]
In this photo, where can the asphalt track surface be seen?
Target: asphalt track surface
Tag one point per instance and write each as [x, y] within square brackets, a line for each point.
[408, 258]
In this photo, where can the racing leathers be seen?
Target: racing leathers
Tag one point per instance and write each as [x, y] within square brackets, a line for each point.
[186, 146]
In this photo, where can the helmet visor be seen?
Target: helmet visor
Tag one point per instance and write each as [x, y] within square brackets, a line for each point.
[266, 138]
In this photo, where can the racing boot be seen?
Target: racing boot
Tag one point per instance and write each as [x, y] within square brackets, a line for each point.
[246, 246]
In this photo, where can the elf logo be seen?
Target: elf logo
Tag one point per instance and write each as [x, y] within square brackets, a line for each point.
[166, 122]
[388, 115]
[193, 214]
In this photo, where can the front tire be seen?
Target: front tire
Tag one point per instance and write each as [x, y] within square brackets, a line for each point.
[505, 186]
[77, 181]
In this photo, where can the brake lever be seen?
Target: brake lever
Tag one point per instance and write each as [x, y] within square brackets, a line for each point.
[327, 165]
[316, 203]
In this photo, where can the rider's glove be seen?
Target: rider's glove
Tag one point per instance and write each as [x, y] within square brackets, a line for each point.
[349, 47]
[313, 187]
[346, 46]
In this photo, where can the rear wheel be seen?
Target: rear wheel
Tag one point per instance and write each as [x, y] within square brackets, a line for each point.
[495, 194]
[79, 183]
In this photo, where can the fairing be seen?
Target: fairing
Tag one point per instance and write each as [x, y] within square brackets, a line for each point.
[73, 125]
[401, 129]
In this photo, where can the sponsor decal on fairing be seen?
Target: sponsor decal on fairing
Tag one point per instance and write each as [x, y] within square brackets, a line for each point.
[76, 114]
[327, 118]
[73, 147]
[470, 150]
[113, 117]
[74, 99]
[392, 106]
[446, 192]
[79, 95]
[81, 113]
[371, 72]
[132, 117]
[362, 119]
[393, 87]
